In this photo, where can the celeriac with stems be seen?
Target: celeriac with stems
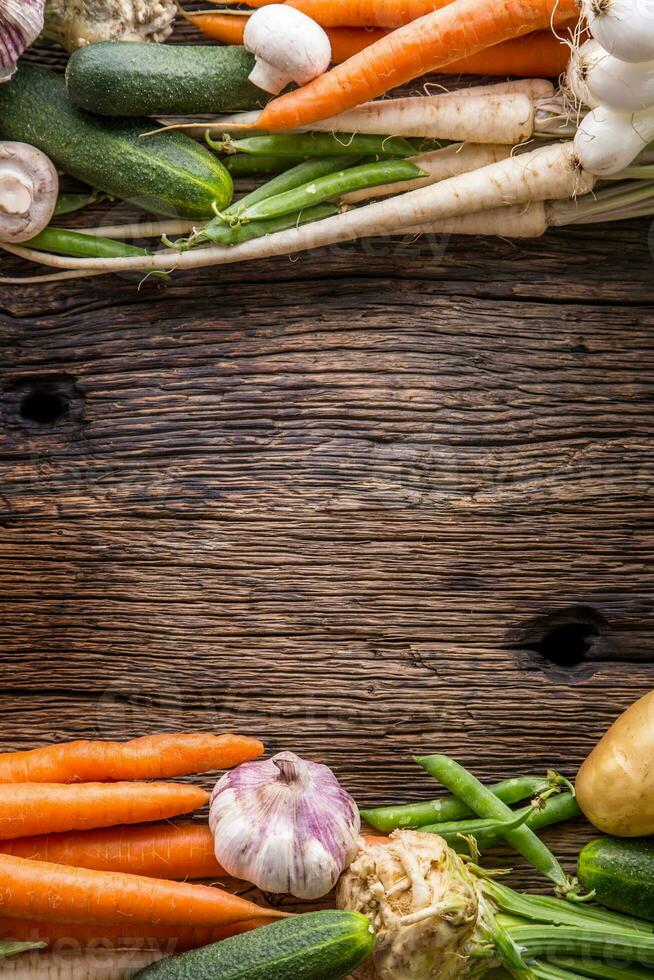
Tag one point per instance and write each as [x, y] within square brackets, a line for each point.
[440, 918]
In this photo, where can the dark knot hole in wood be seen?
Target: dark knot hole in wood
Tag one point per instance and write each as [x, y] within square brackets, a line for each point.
[42, 407]
[42, 403]
[569, 644]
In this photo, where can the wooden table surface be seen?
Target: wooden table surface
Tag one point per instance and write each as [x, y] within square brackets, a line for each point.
[389, 498]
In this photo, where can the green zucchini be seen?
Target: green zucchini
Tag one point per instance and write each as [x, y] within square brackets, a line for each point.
[621, 873]
[316, 946]
[120, 78]
[168, 173]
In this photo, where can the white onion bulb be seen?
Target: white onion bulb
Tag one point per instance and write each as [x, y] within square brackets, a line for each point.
[618, 85]
[607, 141]
[624, 28]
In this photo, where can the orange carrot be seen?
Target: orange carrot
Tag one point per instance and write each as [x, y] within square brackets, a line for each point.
[348, 41]
[175, 851]
[538, 55]
[174, 939]
[229, 28]
[152, 757]
[460, 30]
[366, 13]
[56, 893]
[27, 809]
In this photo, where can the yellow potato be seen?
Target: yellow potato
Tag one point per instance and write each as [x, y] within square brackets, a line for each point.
[615, 785]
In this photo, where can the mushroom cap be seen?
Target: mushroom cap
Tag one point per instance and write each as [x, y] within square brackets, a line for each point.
[28, 191]
[289, 41]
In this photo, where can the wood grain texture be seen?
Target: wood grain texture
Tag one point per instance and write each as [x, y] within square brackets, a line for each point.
[351, 503]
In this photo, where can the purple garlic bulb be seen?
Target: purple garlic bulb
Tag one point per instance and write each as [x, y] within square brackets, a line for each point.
[285, 825]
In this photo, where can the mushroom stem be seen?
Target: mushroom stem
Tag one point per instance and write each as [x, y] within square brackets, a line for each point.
[16, 192]
[265, 76]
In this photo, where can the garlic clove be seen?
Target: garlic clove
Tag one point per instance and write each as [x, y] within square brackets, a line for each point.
[21, 22]
[284, 824]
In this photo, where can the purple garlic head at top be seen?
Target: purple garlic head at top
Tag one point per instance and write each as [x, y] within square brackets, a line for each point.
[21, 22]
[285, 825]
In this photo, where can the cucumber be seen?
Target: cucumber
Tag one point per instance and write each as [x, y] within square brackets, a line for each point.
[621, 873]
[121, 78]
[316, 946]
[167, 174]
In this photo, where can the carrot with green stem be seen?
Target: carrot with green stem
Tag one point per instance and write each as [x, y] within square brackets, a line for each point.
[56, 892]
[27, 809]
[460, 30]
[151, 757]
[182, 851]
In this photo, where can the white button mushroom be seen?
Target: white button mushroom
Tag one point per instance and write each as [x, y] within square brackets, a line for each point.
[28, 191]
[288, 47]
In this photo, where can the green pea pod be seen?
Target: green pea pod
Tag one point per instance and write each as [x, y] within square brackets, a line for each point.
[224, 234]
[69, 203]
[332, 186]
[301, 174]
[489, 833]
[449, 808]
[62, 242]
[479, 798]
[315, 145]
[245, 165]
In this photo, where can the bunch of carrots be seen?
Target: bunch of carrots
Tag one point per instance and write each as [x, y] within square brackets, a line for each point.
[83, 858]
[354, 26]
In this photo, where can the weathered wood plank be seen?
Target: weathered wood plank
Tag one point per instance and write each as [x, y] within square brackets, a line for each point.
[383, 499]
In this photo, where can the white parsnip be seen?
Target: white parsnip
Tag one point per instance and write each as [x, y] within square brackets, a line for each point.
[548, 173]
[92, 964]
[517, 221]
[412, 113]
[459, 158]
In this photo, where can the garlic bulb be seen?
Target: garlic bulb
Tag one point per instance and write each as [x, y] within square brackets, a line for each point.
[285, 825]
[21, 22]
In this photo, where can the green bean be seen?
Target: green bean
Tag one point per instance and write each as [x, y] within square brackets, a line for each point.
[301, 174]
[68, 203]
[489, 833]
[245, 165]
[479, 798]
[224, 234]
[448, 808]
[315, 145]
[600, 970]
[333, 186]
[62, 242]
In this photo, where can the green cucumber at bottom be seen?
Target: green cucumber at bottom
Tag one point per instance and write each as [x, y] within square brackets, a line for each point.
[121, 78]
[168, 173]
[621, 873]
[316, 946]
